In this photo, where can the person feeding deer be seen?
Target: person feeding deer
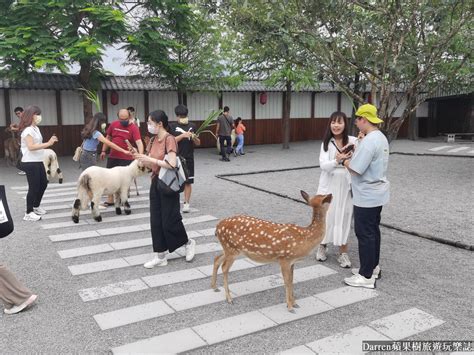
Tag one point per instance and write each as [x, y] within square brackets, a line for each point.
[336, 180]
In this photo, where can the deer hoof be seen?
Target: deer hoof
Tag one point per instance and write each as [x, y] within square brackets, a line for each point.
[217, 289]
[230, 301]
[291, 311]
[296, 305]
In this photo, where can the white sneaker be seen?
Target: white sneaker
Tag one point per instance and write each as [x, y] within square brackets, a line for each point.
[377, 273]
[17, 309]
[156, 261]
[321, 252]
[343, 260]
[360, 281]
[190, 249]
[39, 211]
[21, 172]
[31, 217]
[186, 207]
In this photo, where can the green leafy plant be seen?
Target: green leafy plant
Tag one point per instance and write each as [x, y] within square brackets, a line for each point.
[207, 122]
[92, 97]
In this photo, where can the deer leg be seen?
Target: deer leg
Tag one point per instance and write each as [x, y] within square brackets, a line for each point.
[136, 186]
[228, 261]
[217, 262]
[76, 210]
[118, 203]
[293, 301]
[286, 272]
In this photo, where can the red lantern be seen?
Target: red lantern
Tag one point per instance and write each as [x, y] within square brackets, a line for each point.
[114, 98]
[263, 98]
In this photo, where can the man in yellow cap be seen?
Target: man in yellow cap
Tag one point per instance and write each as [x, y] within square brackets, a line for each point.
[370, 188]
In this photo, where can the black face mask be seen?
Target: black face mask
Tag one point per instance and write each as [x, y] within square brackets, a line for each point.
[124, 123]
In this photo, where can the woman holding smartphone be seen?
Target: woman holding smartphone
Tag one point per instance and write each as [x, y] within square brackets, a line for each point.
[32, 148]
[337, 146]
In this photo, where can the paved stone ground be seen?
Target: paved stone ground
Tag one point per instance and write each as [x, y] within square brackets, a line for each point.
[429, 194]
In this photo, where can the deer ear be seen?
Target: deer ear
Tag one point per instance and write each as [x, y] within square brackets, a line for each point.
[305, 196]
[327, 199]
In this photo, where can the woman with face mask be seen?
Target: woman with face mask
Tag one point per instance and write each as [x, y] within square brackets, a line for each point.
[32, 148]
[167, 229]
[91, 137]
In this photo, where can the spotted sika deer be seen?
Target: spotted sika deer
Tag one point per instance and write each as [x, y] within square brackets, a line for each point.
[267, 242]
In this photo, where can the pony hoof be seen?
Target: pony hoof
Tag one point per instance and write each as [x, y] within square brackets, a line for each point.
[60, 181]
[118, 210]
[75, 219]
[98, 218]
[128, 212]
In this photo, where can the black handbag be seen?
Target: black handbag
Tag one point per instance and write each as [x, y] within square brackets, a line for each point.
[6, 221]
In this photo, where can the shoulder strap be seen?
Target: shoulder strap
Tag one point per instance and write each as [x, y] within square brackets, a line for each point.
[336, 146]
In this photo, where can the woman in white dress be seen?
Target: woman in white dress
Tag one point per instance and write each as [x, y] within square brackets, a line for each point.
[336, 180]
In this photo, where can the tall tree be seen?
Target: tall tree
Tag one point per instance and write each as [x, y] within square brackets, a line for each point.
[177, 42]
[52, 35]
[400, 51]
[263, 38]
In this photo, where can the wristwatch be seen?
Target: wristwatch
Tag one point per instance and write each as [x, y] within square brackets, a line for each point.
[342, 161]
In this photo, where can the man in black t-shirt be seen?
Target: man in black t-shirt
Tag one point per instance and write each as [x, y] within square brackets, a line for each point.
[184, 133]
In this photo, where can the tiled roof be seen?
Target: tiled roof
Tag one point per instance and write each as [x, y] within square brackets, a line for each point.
[54, 81]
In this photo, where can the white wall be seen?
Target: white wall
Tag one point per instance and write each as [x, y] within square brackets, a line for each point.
[346, 105]
[72, 108]
[126, 99]
[272, 109]
[300, 105]
[422, 110]
[3, 120]
[240, 104]
[44, 99]
[200, 105]
[325, 104]
[163, 100]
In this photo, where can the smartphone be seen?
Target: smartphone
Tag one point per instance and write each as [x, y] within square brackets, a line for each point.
[348, 149]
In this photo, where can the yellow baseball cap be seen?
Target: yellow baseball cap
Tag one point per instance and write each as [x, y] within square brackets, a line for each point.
[369, 112]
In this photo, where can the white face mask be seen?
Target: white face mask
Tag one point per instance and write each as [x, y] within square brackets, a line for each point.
[183, 121]
[103, 126]
[152, 129]
[38, 119]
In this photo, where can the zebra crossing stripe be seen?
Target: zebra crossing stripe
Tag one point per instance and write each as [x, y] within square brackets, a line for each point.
[73, 190]
[137, 313]
[457, 149]
[88, 212]
[121, 230]
[108, 209]
[118, 218]
[71, 198]
[240, 325]
[436, 149]
[67, 203]
[118, 263]
[50, 185]
[123, 287]
[394, 327]
[471, 152]
[127, 244]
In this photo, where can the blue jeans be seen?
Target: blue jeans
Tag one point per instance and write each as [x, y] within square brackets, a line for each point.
[240, 144]
[367, 230]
